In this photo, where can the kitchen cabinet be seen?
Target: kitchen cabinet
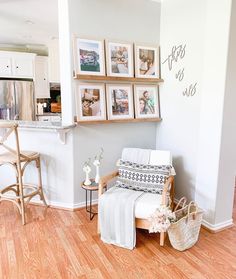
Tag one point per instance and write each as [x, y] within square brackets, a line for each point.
[17, 64]
[42, 89]
[5, 66]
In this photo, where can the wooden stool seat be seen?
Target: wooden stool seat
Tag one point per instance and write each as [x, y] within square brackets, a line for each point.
[19, 160]
[9, 158]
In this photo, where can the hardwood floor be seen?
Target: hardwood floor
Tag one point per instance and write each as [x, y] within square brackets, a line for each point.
[63, 244]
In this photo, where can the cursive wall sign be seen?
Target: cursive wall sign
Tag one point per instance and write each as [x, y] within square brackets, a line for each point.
[178, 53]
[190, 91]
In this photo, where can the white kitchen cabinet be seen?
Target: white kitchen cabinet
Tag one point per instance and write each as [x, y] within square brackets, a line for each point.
[54, 61]
[17, 64]
[42, 89]
[5, 67]
[23, 66]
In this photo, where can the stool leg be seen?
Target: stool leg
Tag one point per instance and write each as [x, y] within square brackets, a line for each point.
[38, 165]
[21, 194]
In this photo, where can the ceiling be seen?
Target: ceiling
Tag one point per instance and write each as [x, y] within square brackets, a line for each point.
[28, 22]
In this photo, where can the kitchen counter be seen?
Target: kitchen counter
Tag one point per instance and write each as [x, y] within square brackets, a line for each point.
[57, 127]
[49, 114]
[41, 125]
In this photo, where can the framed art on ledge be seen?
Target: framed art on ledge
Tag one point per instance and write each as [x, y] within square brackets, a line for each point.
[91, 102]
[89, 56]
[146, 101]
[119, 58]
[147, 61]
[119, 101]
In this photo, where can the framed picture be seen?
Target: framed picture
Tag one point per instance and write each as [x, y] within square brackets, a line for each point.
[119, 59]
[120, 101]
[91, 102]
[89, 56]
[146, 101]
[147, 62]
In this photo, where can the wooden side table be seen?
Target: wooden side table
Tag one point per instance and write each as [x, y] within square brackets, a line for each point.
[91, 188]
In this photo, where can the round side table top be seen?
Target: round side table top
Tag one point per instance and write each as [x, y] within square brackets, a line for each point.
[92, 187]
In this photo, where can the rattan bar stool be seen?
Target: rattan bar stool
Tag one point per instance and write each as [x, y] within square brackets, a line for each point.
[19, 160]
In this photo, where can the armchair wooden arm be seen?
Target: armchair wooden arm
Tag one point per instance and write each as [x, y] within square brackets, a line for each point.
[169, 186]
[104, 180]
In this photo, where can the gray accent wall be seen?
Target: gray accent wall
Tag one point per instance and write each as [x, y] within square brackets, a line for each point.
[134, 21]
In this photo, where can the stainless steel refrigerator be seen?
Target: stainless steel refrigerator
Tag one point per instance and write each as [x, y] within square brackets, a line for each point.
[17, 100]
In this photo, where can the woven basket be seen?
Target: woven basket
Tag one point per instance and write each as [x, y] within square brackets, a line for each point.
[184, 233]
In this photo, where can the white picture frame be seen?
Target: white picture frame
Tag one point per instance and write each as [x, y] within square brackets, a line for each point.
[147, 62]
[119, 59]
[90, 102]
[89, 57]
[122, 106]
[146, 99]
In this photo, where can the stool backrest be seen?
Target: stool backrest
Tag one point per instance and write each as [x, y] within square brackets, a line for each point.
[8, 130]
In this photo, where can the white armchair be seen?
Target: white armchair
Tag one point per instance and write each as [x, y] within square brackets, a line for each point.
[148, 202]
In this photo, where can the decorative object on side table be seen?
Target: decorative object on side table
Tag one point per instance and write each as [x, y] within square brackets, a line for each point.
[96, 163]
[87, 170]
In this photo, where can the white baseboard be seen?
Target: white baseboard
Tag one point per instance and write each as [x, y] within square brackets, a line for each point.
[70, 206]
[218, 227]
[215, 227]
[56, 204]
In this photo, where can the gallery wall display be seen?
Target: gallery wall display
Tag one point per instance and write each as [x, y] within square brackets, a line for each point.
[121, 96]
[147, 61]
[119, 101]
[146, 101]
[91, 102]
[89, 57]
[119, 58]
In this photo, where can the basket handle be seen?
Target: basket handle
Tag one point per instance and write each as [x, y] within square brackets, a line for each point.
[189, 207]
[184, 200]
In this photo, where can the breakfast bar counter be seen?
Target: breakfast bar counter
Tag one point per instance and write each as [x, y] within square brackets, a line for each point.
[41, 125]
[57, 127]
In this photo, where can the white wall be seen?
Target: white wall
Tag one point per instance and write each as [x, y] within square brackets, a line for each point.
[192, 126]
[57, 165]
[181, 21]
[134, 21]
[227, 166]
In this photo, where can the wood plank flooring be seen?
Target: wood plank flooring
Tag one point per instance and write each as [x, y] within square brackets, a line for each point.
[63, 244]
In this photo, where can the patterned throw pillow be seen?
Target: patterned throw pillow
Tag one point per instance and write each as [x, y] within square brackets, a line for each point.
[147, 178]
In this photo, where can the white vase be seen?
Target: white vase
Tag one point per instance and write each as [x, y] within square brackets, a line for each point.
[87, 181]
[97, 177]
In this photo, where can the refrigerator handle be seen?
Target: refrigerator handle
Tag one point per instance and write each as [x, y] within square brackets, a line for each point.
[17, 116]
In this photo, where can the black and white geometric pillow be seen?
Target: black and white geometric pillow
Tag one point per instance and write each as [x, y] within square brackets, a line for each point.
[147, 178]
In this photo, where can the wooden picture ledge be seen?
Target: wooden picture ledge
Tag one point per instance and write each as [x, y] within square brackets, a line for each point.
[118, 79]
[79, 122]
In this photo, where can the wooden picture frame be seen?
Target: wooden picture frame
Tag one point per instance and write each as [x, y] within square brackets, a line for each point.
[119, 59]
[120, 103]
[89, 57]
[90, 102]
[146, 99]
[147, 62]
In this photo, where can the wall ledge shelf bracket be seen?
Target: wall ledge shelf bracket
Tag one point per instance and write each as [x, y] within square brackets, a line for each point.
[62, 133]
